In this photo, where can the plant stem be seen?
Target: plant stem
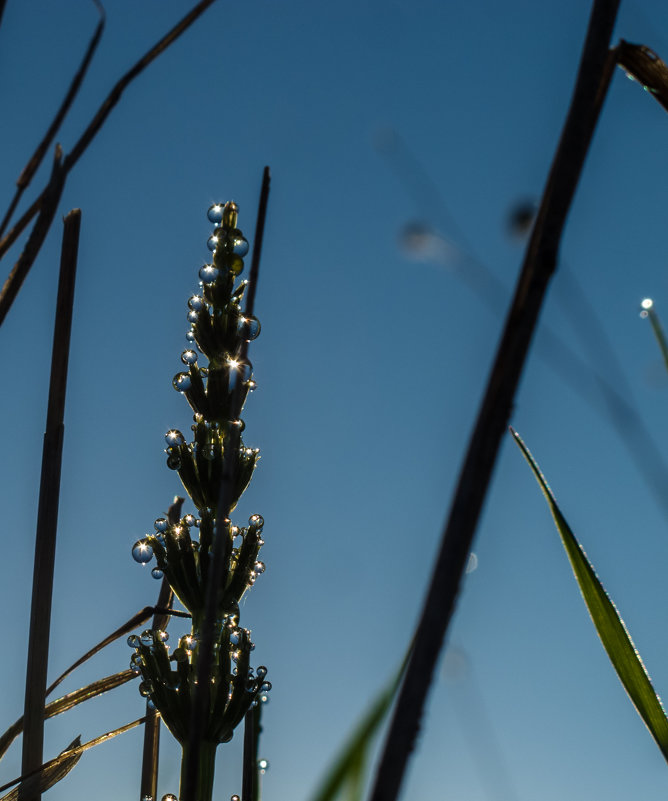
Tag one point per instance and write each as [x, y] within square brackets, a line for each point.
[206, 763]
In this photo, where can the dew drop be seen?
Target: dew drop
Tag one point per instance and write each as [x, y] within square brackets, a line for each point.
[142, 552]
[190, 520]
[181, 382]
[189, 357]
[156, 573]
[161, 524]
[234, 798]
[174, 461]
[248, 327]
[259, 567]
[134, 641]
[162, 635]
[266, 686]
[257, 521]
[192, 317]
[188, 642]
[190, 336]
[196, 303]
[145, 689]
[261, 672]
[252, 385]
[173, 437]
[208, 274]
[212, 244]
[215, 215]
[147, 637]
[170, 796]
[263, 765]
[239, 246]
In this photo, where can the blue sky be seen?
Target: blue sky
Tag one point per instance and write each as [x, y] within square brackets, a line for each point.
[370, 367]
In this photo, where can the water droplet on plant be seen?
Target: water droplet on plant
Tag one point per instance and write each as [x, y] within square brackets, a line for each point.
[196, 303]
[173, 437]
[188, 642]
[190, 520]
[162, 635]
[142, 552]
[145, 689]
[266, 686]
[263, 765]
[234, 798]
[147, 798]
[645, 306]
[181, 382]
[157, 573]
[252, 385]
[189, 357]
[190, 336]
[248, 327]
[238, 424]
[147, 637]
[215, 215]
[180, 655]
[257, 521]
[192, 317]
[212, 244]
[174, 461]
[259, 567]
[171, 796]
[208, 274]
[239, 246]
[133, 641]
[161, 524]
[261, 672]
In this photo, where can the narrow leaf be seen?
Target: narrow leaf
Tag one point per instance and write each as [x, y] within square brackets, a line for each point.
[609, 625]
[67, 702]
[657, 329]
[348, 771]
[48, 776]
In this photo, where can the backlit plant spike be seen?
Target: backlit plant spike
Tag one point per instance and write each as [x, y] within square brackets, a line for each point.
[182, 549]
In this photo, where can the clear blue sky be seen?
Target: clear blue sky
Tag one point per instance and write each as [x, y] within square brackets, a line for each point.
[370, 367]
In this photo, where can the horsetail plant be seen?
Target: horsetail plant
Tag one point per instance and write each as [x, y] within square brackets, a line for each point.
[184, 545]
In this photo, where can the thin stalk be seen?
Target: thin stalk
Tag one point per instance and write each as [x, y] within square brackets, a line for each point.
[44, 204]
[205, 761]
[36, 159]
[249, 769]
[47, 516]
[200, 704]
[540, 262]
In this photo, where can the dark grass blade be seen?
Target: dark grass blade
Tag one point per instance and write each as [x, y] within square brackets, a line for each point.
[47, 514]
[72, 751]
[135, 621]
[67, 702]
[36, 159]
[659, 334]
[46, 778]
[201, 695]
[347, 774]
[47, 201]
[595, 71]
[643, 65]
[609, 625]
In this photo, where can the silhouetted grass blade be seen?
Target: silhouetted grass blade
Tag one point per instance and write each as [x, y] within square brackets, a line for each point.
[609, 625]
[49, 775]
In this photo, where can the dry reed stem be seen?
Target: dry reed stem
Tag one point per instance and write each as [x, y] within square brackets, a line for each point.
[540, 262]
[47, 515]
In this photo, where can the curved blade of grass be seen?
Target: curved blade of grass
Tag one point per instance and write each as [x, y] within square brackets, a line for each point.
[345, 778]
[48, 776]
[657, 329]
[609, 625]
[75, 749]
[67, 702]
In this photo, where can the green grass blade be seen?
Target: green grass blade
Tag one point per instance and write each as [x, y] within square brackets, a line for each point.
[609, 625]
[345, 778]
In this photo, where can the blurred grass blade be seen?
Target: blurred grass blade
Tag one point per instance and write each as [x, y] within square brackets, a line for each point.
[67, 702]
[609, 625]
[75, 749]
[48, 776]
[657, 329]
[346, 776]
